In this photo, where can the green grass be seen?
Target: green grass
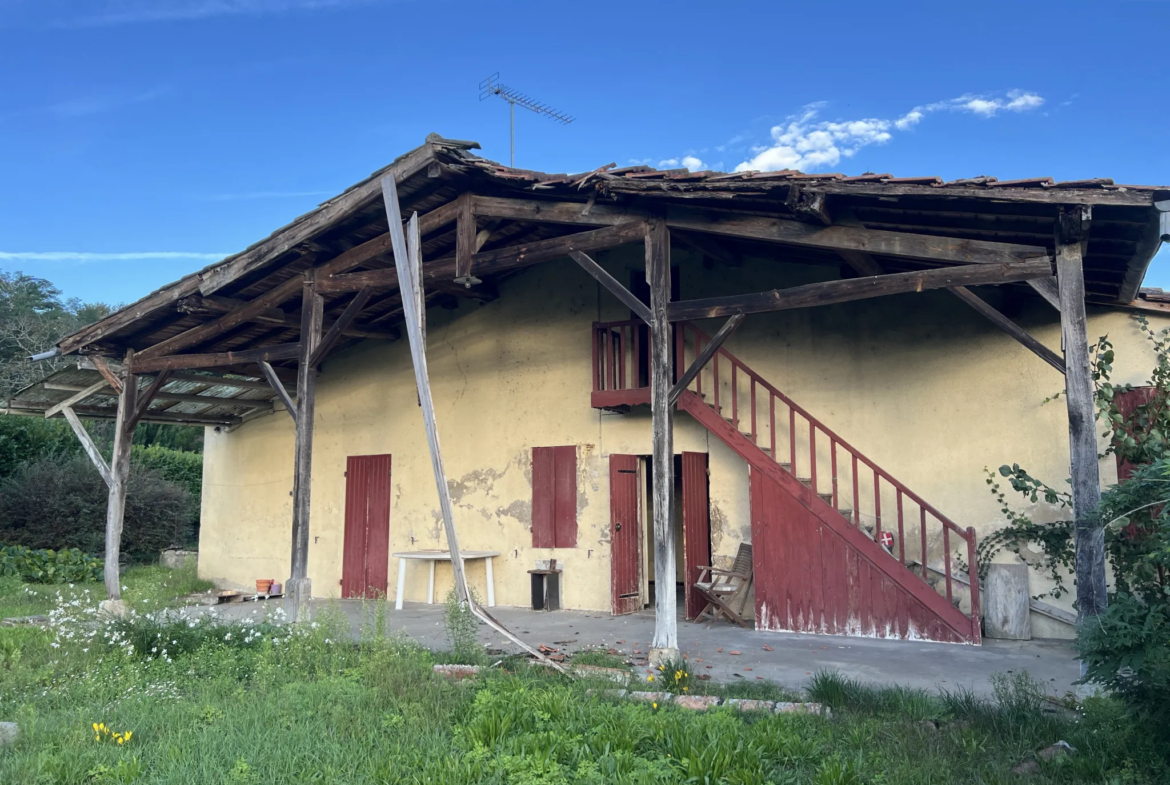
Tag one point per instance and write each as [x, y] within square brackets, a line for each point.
[144, 587]
[265, 703]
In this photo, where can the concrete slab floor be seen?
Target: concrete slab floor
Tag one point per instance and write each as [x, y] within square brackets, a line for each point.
[791, 662]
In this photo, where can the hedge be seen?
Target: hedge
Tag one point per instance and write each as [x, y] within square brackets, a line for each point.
[48, 566]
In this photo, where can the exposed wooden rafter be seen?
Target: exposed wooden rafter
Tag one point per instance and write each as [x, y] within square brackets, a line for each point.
[1009, 327]
[841, 291]
[286, 351]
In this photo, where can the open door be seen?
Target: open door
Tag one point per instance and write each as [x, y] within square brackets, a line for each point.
[625, 536]
[696, 526]
[366, 552]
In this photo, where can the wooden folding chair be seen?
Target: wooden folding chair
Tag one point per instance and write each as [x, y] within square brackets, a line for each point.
[722, 588]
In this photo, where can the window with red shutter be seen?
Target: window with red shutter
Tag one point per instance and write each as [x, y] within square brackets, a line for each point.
[554, 497]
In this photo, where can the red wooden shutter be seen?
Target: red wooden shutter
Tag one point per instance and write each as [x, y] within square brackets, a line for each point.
[554, 497]
[543, 497]
[565, 530]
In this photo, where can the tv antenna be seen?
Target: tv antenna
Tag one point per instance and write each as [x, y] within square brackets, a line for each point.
[492, 86]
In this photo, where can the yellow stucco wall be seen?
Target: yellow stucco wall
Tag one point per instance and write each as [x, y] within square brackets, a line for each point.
[920, 383]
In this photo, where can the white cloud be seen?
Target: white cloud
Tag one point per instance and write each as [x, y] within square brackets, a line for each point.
[667, 163]
[84, 256]
[808, 143]
[693, 163]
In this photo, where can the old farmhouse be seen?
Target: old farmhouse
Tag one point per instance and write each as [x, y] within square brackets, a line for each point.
[635, 373]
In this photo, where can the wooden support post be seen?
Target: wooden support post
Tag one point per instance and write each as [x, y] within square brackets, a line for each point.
[1072, 230]
[665, 644]
[119, 473]
[465, 243]
[300, 587]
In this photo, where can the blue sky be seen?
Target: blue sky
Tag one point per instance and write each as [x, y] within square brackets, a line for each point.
[142, 139]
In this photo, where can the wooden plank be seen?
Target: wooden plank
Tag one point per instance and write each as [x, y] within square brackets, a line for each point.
[76, 398]
[119, 473]
[862, 262]
[705, 356]
[408, 270]
[277, 386]
[315, 222]
[1009, 327]
[144, 399]
[1089, 535]
[338, 329]
[465, 242]
[760, 227]
[612, 284]
[284, 351]
[102, 367]
[127, 316]
[496, 260]
[1048, 289]
[213, 380]
[1057, 196]
[300, 588]
[665, 643]
[95, 455]
[830, 292]
[179, 397]
[215, 304]
[110, 413]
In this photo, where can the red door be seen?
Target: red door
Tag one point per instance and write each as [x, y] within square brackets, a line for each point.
[696, 526]
[624, 534]
[366, 554]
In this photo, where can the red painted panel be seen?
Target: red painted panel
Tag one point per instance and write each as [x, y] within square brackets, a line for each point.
[625, 535]
[543, 497]
[366, 546]
[565, 497]
[696, 526]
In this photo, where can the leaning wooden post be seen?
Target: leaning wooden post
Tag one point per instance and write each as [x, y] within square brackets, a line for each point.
[665, 644]
[300, 587]
[1071, 232]
[119, 474]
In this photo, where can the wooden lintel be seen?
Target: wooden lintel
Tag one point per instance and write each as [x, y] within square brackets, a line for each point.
[290, 405]
[705, 356]
[753, 226]
[612, 284]
[95, 455]
[1009, 327]
[335, 332]
[830, 292]
[285, 351]
[495, 260]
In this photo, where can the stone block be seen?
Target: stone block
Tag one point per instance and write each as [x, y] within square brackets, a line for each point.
[616, 675]
[456, 672]
[650, 697]
[747, 704]
[9, 732]
[174, 558]
[802, 708]
[696, 702]
[1006, 612]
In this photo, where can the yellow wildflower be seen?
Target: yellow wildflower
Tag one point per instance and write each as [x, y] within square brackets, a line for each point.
[655, 705]
[650, 677]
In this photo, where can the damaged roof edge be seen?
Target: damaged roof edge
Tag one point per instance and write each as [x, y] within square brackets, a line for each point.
[1151, 243]
[304, 227]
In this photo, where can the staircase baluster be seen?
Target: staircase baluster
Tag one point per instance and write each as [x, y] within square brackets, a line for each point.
[699, 375]
[734, 396]
[901, 540]
[973, 576]
[947, 558]
[753, 388]
[621, 357]
[856, 496]
[877, 505]
[922, 510]
[812, 455]
[833, 463]
[715, 382]
[596, 361]
[772, 421]
[792, 440]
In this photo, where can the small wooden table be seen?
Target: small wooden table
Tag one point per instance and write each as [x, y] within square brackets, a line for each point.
[438, 556]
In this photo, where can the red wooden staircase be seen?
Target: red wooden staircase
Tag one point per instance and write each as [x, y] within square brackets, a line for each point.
[827, 559]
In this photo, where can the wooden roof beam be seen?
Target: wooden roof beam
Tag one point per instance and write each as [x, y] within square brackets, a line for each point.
[285, 351]
[210, 400]
[950, 250]
[496, 260]
[1010, 327]
[830, 292]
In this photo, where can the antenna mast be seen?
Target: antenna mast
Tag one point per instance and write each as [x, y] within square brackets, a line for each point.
[492, 86]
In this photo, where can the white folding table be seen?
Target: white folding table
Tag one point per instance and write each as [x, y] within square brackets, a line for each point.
[438, 556]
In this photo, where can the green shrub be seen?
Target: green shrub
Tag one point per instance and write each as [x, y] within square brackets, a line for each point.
[1126, 649]
[183, 468]
[25, 439]
[61, 503]
[48, 566]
